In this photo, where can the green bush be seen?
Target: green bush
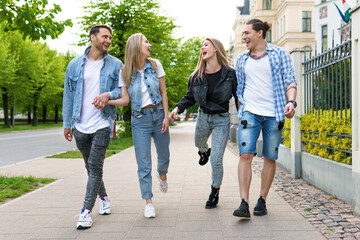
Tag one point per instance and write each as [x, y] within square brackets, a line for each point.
[124, 129]
[324, 122]
[287, 133]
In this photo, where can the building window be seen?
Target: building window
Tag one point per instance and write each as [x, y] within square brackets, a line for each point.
[268, 36]
[306, 21]
[267, 4]
[324, 36]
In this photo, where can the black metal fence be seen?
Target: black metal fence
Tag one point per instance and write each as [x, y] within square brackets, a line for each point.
[327, 91]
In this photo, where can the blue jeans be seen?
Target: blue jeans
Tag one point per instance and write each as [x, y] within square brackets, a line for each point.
[145, 124]
[93, 148]
[218, 125]
[249, 131]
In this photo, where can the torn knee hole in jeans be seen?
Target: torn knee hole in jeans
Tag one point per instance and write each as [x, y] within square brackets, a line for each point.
[280, 126]
[244, 123]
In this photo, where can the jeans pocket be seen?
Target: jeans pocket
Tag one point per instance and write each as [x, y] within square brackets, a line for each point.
[137, 115]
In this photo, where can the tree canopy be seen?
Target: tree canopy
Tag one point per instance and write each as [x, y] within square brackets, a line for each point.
[32, 18]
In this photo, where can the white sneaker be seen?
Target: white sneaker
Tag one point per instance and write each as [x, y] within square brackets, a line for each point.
[104, 206]
[162, 184]
[149, 211]
[85, 220]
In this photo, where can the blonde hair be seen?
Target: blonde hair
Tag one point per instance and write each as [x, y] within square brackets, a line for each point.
[220, 56]
[132, 57]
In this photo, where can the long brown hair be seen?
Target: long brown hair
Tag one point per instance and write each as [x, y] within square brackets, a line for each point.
[132, 56]
[220, 56]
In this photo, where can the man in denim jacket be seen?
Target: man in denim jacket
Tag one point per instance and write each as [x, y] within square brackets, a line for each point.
[88, 76]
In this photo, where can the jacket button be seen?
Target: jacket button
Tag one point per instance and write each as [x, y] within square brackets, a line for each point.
[154, 102]
[145, 77]
[148, 85]
[151, 94]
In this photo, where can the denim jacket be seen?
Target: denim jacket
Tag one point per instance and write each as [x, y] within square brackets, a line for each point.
[151, 81]
[219, 101]
[73, 88]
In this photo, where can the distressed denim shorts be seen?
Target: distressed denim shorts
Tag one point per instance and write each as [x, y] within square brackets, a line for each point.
[249, 131]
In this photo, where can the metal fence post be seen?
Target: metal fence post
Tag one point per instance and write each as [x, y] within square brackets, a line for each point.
[355, 35]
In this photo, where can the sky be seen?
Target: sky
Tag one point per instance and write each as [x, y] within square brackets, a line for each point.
[203, 18]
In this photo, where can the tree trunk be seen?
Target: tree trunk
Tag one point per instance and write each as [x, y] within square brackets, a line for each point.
[44, 114]
[35, 109]
[6, 108]
[56, 114]
[29, 117]
[12, 115]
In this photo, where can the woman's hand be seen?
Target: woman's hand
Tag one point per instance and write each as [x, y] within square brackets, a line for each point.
[173, 113]
[101, 100]
[165, 124]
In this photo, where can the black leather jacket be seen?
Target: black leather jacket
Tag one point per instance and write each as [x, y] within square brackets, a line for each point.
[219, 100]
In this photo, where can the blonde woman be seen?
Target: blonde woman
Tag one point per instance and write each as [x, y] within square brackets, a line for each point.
[143, 79]
[212, 85]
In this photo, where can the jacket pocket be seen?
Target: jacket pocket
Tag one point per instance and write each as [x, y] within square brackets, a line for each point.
[72, 81]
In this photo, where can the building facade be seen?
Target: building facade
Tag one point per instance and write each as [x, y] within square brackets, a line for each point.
[291, 21]
[330, 29]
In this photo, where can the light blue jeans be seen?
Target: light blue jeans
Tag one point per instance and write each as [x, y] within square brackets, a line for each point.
[218, 125]
[145, 124]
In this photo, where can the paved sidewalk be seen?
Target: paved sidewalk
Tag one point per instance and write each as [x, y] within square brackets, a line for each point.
[51, 212]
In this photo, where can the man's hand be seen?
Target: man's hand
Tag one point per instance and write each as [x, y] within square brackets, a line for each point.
[289, 110]
[101, 100]
[67, 134]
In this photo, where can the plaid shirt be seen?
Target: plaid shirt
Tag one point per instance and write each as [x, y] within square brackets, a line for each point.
[282, 72]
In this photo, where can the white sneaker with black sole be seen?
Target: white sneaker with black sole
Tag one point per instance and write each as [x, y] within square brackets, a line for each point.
[104, 206]
[85, 219]
[149, 211]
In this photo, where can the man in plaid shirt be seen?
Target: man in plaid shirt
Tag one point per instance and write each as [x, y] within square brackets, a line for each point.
[265, 74]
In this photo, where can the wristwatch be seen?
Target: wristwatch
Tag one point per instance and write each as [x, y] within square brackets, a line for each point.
[293, 102]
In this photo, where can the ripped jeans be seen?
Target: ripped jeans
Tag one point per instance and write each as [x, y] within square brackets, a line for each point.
[249, 131]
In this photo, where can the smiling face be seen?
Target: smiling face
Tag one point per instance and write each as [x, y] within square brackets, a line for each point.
[102, 40]
[145, 48]
[208, 50]
[251, 37]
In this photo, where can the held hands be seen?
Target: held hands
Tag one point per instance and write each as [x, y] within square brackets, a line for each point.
[173, 114]
[101, 100]
[67, 134]
[289, 110]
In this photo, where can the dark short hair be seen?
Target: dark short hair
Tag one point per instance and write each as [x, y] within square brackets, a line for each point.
[95, 29]
[258, 25]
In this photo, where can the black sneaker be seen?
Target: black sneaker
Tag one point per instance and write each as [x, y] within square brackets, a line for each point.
[260, 208]
[243, 210]
[213, 198]
[204, 157]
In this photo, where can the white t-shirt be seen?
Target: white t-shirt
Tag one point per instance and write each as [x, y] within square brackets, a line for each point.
[145, 96]
[90, 116]
[259, 93]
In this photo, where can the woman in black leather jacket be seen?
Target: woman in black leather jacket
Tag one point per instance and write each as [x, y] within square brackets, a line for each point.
[212, 85]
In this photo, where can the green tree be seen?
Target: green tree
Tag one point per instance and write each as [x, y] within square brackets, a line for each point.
[32, 18]
[7, 74]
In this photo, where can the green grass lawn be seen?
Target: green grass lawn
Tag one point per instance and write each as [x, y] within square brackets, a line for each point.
[13, 187]
[116, 145]
[24, 126]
